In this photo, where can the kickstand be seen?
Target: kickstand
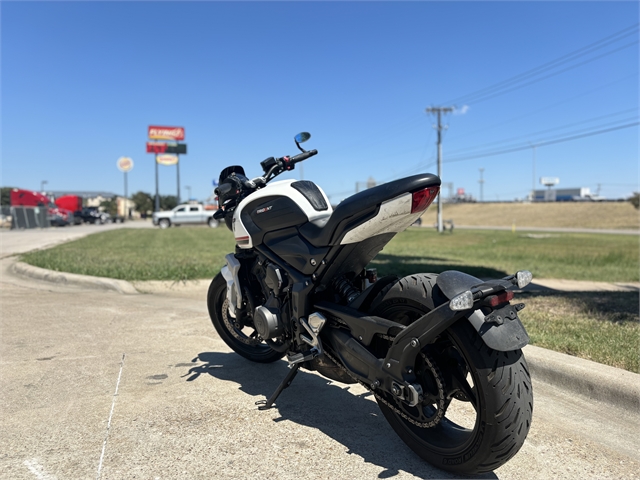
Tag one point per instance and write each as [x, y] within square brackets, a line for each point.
[267, 404]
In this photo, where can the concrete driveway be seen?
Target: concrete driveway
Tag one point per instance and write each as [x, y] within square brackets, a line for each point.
[94, 384]
[100, 385]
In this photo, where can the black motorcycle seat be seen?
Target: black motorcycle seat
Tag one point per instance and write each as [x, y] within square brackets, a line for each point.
[360, 207]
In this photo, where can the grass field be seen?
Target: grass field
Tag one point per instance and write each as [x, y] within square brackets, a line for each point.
[602, 215]
[604, 327]
[599, 326]
[189, 253]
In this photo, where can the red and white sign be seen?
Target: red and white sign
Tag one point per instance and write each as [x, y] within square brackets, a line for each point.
[156, 147]
[125, 164]
[167, 159]
[166, 133]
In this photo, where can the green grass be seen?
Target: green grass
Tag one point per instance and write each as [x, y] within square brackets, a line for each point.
[486, 253]
[176, 254]
[599, 326]
[191, 253]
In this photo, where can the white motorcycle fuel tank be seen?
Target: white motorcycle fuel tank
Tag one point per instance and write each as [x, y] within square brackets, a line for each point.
[280, 205]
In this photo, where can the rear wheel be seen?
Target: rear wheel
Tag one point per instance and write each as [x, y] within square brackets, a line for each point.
[487, 393]
[238, 333]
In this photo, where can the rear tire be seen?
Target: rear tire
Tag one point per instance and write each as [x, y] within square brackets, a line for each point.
[242, 339]
[498, 388]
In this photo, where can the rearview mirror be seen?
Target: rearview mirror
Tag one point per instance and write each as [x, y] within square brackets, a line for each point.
[302, 137]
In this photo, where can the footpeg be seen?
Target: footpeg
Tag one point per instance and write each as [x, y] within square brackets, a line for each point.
[302, 357]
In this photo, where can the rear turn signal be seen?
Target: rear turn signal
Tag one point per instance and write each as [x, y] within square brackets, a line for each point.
[423, 198]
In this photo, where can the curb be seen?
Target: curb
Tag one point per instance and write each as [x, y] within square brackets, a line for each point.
[585, 378]
[120, 286]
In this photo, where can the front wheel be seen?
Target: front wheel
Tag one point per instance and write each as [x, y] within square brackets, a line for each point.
[164, 223]
[483, 396]
[237, 333]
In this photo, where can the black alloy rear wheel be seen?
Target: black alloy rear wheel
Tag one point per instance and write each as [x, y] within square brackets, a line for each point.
[488, 394]
[238, 333]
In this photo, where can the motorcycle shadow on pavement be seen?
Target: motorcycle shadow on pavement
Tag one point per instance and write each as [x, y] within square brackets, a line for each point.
[353, 420]
[403, 265]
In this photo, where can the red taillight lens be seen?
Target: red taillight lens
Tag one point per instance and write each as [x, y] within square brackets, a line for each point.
[496, 300]
[423, 198]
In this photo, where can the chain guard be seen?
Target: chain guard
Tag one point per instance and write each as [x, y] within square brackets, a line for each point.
[407, 413]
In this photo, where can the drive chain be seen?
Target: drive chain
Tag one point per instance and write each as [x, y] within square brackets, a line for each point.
[441, 403]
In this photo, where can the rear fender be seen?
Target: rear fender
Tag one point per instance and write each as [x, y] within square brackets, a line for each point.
[511, 335]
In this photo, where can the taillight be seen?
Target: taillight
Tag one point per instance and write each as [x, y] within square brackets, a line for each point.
[423, 198]
[496, 300]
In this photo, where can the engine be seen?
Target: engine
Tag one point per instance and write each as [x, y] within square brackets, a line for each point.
[270, 318]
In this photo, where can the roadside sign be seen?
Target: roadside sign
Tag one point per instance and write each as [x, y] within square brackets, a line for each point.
[549, 181]
[166, 133]
[167, 159]
[156, 147]
[125, 164]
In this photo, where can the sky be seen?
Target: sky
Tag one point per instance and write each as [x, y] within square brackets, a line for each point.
[82, 81]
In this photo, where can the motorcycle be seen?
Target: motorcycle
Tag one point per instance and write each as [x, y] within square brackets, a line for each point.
[441, 354]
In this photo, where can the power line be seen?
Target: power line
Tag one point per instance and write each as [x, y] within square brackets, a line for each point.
[490, 90]
[541, 143]
[519, 117]
[497, 94]
[528, 136]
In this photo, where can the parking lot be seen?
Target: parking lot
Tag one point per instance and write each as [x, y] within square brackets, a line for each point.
[96, 384]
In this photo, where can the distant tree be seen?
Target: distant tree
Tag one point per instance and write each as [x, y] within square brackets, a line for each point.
[635, 199]
[110, 206]
[143, 202]
[167, 202]
[5, 196]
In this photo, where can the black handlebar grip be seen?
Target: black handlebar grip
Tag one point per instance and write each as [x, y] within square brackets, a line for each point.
[303, 156]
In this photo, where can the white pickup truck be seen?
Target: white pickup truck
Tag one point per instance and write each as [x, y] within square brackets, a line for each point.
[185, 215]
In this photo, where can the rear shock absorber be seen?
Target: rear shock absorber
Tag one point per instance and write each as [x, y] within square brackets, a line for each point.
[345, 289]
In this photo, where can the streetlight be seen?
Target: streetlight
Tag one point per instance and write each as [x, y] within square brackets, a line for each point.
[42, 184]
[188, 188]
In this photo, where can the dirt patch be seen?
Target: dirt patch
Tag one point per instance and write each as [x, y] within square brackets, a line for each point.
[604, 215]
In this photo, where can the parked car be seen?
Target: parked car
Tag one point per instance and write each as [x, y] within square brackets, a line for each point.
[190, 214]
[94, 215]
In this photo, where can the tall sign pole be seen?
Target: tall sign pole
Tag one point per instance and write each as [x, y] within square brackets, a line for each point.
[439, 111]
[157, 206]
[125, 164]
[172, 134]
[178, 167]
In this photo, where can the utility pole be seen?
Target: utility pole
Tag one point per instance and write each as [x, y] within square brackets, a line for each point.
[439, 111]
[481, 182]
[533, 178]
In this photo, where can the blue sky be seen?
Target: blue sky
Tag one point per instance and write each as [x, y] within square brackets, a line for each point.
[81, 82]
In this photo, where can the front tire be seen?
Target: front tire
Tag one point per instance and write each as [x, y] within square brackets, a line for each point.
[241, 338]
[488, 392]
[164, 223]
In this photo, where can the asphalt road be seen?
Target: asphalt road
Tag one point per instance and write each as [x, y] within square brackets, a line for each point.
[20, 241]
[100, 385]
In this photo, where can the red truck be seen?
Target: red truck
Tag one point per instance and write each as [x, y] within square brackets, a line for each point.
[26, 198]
[73, 203]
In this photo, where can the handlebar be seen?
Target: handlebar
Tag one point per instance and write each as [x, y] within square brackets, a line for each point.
[303, 156]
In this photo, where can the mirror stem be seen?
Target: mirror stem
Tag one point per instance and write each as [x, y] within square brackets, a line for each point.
[300, 148]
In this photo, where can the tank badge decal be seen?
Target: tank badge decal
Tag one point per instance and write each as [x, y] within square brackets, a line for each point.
[265, 209]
